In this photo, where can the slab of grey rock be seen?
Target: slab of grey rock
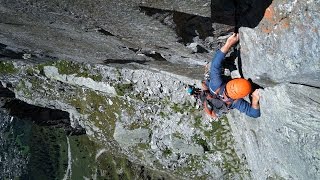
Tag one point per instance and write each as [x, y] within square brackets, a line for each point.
[133, 137]
[181, 146]
[285, 140]
[90, 32]
[285, 46]
[52, 72]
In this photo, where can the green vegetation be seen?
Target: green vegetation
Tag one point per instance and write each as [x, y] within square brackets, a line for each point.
[193, 164]
[215, 131]
[218, 138]
[22, 87]
[47, 149]
[177, 135]
[97, 110]
[198, 120]
[190, 107]
[7, 67]
[163, 114]
[23, 148]
[18, 134]
[143, 146]
[167, 152]
[224, 142]
[118, 74]
[139, 124]
[105, 166]
[93, 104]
[101, 113]
[138, 96]
[200, 141]
[181, 108]
[39, 67]
[67, 68]
[79, 69]
[177, 108]
[48, 153]
[122, 89]
[30, 71]
[83, 155]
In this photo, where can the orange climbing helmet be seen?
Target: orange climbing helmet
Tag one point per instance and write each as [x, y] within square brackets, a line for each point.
[238, 88]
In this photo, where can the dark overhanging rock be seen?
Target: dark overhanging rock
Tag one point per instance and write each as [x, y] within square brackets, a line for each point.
[188, 27]
[196, 7]
[5, 52]
[53, 118]
[42, 116]
[239, 13]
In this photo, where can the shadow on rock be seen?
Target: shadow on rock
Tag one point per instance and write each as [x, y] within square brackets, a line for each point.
[40, 115]
[239, 13]
[254, 87]
[187, 26]
[123, 61]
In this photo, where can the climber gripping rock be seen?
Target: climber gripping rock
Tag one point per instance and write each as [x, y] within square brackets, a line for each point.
[218, 97]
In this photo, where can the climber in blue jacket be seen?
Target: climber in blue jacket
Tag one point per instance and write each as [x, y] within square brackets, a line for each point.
[233, 92]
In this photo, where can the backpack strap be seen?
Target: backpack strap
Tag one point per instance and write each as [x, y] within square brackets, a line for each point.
[219, 93]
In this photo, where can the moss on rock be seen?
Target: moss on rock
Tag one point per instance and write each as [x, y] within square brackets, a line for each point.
[79, 69]
[7, 67]
[124, 88]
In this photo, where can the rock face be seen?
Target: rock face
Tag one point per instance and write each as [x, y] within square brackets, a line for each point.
[102, 31]
[282, 55]
[285, 45]
[150, 120]
[284, 141]
[125, 86]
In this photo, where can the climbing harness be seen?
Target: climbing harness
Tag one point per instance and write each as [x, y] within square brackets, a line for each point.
[215, 105]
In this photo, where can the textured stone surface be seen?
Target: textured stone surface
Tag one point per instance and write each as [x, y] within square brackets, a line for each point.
[284, 141]
[285, 46]
[152, 50]
[95, 31]
[53, 73]
[151, 120]
[282, 55]
[197, 7]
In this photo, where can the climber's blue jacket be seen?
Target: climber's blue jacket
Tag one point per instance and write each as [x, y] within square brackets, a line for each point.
[216, 82]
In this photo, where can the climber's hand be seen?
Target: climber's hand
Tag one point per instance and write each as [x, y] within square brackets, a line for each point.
[255, 99]
[232, 40]
[256, 95]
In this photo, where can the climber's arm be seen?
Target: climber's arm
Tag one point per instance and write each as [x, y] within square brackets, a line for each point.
[247, 108]
[232, 40]
[215, 70]
[253, 109]
[255, 99]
